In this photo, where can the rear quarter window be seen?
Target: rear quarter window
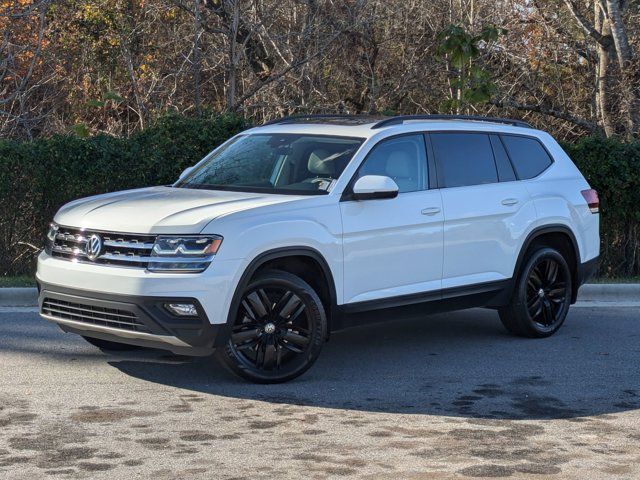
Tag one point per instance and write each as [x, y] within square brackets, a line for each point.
[528, 156]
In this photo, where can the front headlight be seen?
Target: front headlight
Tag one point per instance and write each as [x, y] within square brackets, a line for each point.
[51, 237]
[183, 253]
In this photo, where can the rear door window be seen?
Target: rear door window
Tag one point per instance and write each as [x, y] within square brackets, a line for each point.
[463, 159]
[527, 154]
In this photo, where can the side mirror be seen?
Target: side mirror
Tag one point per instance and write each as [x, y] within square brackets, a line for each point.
[185, 172]
[372, 187]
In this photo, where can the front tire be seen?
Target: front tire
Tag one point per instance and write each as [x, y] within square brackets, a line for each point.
[541, 297]
[278, 330]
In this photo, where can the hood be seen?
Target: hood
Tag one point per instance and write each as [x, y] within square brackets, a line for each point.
[160, 209]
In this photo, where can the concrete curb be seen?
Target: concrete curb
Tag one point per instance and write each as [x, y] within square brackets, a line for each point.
[596, 293]
[18, 297]
[610, 292]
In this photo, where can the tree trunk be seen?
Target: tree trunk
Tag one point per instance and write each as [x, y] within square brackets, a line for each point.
[625, 62]
[197, 67]
[619, 33]
[603, 92]
[233, 57]
[126, 55]
[258, 58]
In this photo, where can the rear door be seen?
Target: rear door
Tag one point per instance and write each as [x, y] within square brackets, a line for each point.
[486, 210]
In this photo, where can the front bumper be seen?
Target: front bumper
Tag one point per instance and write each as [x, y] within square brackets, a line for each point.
[213, 288]
[135, 320]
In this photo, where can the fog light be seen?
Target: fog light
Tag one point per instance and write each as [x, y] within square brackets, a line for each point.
[182, 309]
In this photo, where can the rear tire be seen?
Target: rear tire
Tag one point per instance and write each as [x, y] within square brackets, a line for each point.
[278, 330]
[111, 346]
[541, 297]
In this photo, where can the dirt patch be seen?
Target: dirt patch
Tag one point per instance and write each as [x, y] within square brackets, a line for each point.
[487, 471]
[14, 460]
[193, 436]
[108, 415]
[95, 467]
[265, 424]
[155, 443]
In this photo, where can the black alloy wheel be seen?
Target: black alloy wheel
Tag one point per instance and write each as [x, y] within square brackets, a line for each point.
[546, 292]
[541, 297]
[278, 331]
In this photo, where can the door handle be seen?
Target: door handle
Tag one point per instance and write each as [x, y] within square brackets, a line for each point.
[430, 211]
[509, 201]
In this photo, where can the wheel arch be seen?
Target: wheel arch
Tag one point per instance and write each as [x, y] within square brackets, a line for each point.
[552, 234]
[271, 257]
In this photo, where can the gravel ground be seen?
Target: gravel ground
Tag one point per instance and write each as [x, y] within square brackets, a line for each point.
[447, 396]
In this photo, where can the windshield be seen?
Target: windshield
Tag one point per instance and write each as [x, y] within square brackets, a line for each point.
[278, 163]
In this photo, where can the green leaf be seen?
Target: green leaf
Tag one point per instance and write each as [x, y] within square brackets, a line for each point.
[95, 103]
[111, 95]
[81, 130]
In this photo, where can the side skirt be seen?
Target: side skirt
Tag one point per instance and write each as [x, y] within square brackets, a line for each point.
[490, 295]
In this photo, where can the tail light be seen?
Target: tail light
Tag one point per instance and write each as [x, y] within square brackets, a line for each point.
[591, 196]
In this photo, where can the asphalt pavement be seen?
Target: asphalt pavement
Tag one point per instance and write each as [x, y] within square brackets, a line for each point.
[445, 396]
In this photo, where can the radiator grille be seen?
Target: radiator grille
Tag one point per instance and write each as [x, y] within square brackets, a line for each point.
[91, 314]
[124, 249]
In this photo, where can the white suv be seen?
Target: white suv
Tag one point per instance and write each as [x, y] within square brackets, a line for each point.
[307, 225]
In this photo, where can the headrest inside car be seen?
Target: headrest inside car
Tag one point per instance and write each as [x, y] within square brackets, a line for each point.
[321, 162]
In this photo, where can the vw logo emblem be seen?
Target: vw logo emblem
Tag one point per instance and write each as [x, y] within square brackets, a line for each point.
[94, 246]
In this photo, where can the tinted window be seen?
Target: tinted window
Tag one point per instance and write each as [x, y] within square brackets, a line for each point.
[505, 170]
[404, 159]
[464, 159]
[528, 156]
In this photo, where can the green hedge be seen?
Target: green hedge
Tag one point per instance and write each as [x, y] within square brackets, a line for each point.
[37, 177]
[612, 167]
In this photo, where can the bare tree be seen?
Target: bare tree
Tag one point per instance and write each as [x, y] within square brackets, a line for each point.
[113, 66]
[609, 33]
[20, 54]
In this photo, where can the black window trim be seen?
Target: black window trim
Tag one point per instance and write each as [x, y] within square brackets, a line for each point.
[431, 155]
[347, 194]
[431, 161]
[495, 159]
[432, 165]
[544, 147]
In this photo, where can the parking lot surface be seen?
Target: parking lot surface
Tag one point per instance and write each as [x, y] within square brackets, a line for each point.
[445, 396]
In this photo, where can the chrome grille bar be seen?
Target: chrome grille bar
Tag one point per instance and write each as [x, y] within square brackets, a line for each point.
[120, 249]
[69, 237]
[68, 250]
[78, 308]
[125, 244]
[77, 316]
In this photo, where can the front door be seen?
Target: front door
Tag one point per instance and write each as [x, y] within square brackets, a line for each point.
[393, 247]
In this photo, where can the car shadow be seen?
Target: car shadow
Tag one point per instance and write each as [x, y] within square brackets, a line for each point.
[456, 364]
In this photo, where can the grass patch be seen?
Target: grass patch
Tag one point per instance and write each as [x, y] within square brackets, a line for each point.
[21, 281]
